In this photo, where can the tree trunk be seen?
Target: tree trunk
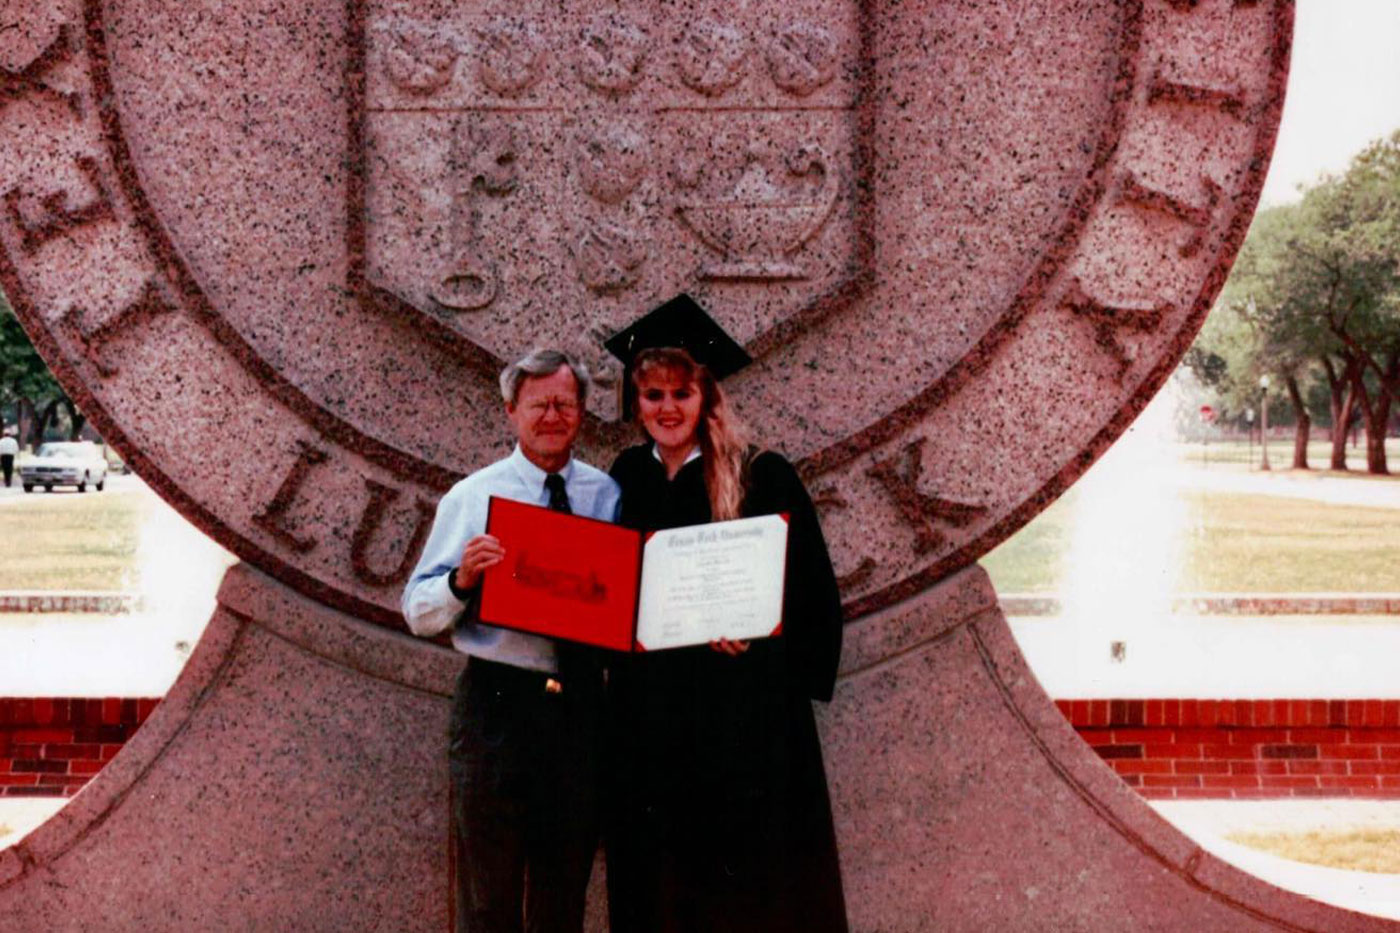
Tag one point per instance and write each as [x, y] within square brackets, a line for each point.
[1302, 431]
[1339, 405]
[1341, 419]
[76, 419]
[1375, 413]
[23, 409]
[1377, 420]
[42, 422]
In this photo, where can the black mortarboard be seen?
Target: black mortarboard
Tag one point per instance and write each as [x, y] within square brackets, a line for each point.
[680, 322]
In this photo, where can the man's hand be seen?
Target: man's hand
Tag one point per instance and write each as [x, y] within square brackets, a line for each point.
[479, 553]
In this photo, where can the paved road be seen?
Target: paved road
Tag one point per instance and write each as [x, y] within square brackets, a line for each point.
[15, 494]
[1381, 493]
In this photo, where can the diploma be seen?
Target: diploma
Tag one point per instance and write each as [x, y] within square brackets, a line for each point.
[722, 580]
[584, 580]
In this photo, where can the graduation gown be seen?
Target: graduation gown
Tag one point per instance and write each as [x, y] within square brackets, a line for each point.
[719, 816]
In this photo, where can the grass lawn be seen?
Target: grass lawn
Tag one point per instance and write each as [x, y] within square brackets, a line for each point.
[1233, 543]
[1032, 560]
[1265, 544]
[1375, 850]
[72, 541]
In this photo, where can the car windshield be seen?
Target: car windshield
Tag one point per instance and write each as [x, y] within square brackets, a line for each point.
[62, 451]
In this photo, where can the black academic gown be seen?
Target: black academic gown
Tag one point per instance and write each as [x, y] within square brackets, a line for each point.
[720, 820]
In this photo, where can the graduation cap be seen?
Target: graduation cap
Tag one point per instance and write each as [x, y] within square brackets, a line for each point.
[679, 322]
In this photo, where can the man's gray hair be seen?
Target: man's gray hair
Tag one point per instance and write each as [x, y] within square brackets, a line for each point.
[542, 363]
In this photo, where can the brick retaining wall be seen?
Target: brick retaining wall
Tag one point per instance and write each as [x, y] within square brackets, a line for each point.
[1246, 748]
[1231, 604]
[68, 601]
[52, 746]
[1161, 747]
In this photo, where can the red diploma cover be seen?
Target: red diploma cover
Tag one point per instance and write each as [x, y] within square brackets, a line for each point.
[581, 579]
[564, 576]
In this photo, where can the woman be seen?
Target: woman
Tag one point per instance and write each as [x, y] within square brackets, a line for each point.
[720, 819]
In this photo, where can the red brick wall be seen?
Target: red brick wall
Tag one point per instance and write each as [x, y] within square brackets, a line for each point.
[51, 746]
[1246, 748]
[1163, 748]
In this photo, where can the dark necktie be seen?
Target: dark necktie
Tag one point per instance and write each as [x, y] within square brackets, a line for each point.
[558, 498]
[579, 665]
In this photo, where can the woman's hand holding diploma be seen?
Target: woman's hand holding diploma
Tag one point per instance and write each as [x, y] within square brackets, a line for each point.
[731, 648]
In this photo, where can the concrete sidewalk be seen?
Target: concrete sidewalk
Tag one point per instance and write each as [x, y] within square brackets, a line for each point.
[20, 816]
[1208, 822]
[133, 654]
[92, 655]
[1318, 657]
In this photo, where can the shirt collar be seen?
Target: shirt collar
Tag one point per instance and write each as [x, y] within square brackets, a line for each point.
[656, 452]
[532, 475]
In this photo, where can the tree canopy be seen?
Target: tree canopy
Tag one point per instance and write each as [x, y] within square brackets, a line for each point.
[29, 394]
[1314, 301]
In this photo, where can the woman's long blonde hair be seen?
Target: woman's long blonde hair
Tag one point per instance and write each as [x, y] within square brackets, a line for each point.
[724, 440]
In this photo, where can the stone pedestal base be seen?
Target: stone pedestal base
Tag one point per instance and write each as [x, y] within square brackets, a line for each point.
[295, 779]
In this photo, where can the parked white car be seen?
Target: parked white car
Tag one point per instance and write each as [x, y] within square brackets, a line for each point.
[65, 463]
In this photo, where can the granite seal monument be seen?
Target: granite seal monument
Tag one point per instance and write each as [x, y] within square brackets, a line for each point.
[278, 252]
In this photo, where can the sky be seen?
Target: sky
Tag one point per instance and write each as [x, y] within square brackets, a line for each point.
[1343, 90]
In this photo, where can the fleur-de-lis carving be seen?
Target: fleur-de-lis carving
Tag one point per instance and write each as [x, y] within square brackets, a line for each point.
[612, 54]
[512, 57]
[801, 58]
[610, 257]
[711, 57]
[419, 60]
[612, 163]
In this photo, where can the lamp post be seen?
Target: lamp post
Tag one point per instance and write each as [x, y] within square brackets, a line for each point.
[1264, 422]
[1249, 433]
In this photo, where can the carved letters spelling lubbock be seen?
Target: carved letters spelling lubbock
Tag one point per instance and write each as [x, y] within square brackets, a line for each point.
[603, 165]
[959, 282]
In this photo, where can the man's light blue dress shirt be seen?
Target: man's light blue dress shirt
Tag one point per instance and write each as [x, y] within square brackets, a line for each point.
[428, 603]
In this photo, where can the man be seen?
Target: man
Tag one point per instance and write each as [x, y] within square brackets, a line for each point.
[9, 448]
[526, 717]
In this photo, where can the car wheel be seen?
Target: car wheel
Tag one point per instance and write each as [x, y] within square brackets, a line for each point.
[82, 484]
[28, 487]
[100, 483]
[48, 487]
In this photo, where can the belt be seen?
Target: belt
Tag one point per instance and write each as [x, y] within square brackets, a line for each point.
[509, 678]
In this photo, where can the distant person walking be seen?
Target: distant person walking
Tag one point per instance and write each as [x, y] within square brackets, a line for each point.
[9, 448]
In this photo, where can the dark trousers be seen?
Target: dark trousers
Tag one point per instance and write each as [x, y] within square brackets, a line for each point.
[524, 765]
[7, 466]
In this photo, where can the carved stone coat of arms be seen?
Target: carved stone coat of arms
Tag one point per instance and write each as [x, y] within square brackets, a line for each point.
[568, 173]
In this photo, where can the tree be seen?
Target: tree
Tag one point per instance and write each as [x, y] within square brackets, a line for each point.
[1345, 277]
[26, 385]
[1246, 338]
[1315, 295]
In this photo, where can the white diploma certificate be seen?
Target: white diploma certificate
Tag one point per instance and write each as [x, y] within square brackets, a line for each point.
[721, 580]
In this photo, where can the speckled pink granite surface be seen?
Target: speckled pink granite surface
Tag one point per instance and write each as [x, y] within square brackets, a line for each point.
[277, 250]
